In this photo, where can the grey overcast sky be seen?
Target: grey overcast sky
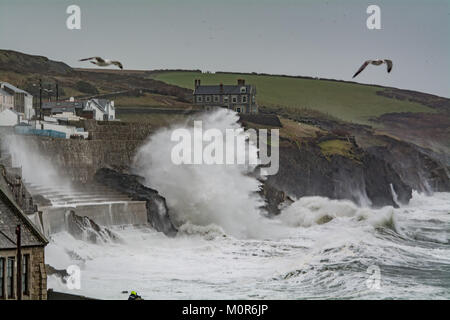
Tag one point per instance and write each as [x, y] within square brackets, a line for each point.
[323, 38]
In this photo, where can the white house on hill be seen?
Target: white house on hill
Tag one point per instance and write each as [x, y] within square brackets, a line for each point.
[104, 110]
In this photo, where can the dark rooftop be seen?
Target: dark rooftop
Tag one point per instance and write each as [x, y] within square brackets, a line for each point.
[63, 109]
[10, 217]
[63, 104]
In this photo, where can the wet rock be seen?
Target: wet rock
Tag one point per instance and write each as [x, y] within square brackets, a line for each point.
[57, 272]
[306, 171]
[84, 228]
[41, 200]
[419, 168]
[274, 199]
[132, 185]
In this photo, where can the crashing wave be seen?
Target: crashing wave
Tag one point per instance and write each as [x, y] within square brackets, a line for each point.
[309, 211]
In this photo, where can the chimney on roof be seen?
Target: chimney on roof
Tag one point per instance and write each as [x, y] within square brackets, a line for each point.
[241, 82]
[197, 83]
[221, 88]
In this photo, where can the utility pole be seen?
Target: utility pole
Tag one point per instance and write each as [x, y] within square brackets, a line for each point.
[40, 99]
[57, 91]
[19, 262]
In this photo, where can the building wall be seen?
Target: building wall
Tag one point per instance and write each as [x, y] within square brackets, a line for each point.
[8, 118]
[28, 105]
[37, 280]
[6, 102]
[234, 102]
[111, 111]
[19, 102]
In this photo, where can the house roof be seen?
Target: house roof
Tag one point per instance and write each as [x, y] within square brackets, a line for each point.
[10, 217]
[5, 93]
[227, 89]
[63, 109]
[101, 103]
[13, 88]
[63, 104]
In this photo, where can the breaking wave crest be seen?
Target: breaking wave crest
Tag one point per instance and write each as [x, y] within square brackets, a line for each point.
[309, 211]
[204, 194]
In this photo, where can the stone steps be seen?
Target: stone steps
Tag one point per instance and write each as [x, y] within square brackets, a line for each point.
[77, 195]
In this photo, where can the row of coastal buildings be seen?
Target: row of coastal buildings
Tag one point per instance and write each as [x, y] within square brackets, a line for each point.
[22, 260]
[18, 110]
[23, 272]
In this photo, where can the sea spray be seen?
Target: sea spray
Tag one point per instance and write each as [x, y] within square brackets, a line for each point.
[205, 194]
[326, 260]
[37, 169]
[309, 211]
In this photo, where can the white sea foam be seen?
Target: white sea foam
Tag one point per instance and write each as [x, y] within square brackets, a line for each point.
[313, 260]
[202, 195]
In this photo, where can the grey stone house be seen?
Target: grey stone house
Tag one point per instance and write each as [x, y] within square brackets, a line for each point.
[240, 97]
[34, 275]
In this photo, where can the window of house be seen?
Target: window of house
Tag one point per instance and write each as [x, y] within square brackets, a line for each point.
[216, 98]
[25, 274]
[225, 99]
[2, 278]
[244, 99]
[238, 110]
[234, 99]
[10, 278]
[208, 98]
[243, 89]
[199, 98]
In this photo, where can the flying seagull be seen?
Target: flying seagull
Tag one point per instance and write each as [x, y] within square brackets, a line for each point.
[103, 62]
[375, 63]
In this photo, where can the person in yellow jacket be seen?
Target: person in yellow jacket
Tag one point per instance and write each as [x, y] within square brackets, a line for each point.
[134, 296]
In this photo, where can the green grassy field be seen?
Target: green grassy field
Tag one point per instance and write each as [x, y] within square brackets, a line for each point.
[346, 101]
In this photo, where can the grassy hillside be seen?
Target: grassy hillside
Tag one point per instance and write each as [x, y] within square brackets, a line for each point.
[25, 63]
[346, 101]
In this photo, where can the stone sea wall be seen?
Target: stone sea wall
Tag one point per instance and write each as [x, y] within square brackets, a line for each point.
[112, 145]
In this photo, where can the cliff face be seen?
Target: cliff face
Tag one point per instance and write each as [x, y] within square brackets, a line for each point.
[418, 169]
[306, 171]
[313, 161]
[157, 210]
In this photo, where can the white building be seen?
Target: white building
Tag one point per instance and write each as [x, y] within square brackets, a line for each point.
[22, 100]
[9, 118]
[6, 100]
[104, 110]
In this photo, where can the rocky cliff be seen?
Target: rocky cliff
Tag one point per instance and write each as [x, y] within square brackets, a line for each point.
[305, 170]
[316, 158]
[157, 210]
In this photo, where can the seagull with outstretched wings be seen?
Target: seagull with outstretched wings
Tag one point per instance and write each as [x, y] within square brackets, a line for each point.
[103, 62]
[375, 63]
